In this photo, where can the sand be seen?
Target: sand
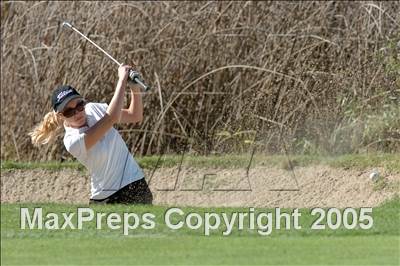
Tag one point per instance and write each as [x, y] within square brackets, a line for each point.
[313, 186]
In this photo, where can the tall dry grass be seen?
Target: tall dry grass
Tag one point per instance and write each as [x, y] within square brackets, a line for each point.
[301, 76]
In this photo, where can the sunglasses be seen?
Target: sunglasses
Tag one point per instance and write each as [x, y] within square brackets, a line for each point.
[70, 112]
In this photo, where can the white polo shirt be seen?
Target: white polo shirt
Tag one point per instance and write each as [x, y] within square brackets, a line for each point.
[109, 161]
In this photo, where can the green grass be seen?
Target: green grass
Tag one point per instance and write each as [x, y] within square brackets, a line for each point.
[50, 165]
[390, 162]
[162, 245]
[195, 250]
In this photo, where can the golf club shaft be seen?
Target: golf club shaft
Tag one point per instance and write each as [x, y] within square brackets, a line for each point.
[135, 79]
[98, 47]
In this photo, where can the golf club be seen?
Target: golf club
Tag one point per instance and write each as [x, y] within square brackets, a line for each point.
[133, 75]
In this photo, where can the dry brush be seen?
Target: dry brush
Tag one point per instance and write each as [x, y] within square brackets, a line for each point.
[226, 76]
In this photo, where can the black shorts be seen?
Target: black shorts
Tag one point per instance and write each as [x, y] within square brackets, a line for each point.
[137, 192]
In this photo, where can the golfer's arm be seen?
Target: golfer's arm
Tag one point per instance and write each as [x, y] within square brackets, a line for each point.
[112, 116]
[134, 114]
[117, 102]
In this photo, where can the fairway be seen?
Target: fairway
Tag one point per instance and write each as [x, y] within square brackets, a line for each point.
[162, 245]
[191, 250]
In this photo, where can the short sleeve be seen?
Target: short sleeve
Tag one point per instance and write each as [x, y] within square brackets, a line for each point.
[102, 107]
[75, 144]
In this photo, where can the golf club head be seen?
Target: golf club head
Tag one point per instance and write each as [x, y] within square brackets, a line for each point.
[67, 24]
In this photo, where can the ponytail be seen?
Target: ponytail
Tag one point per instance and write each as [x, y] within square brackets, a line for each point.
[47, 130]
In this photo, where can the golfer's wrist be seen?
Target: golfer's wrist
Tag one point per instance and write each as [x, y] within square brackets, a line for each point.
[122, 80]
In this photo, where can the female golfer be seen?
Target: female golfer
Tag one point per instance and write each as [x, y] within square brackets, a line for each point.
[92, 140]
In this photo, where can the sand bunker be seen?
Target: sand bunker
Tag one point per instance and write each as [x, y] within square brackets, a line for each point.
[312, 186]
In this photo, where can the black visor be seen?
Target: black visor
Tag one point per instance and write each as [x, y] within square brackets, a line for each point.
[62, 96]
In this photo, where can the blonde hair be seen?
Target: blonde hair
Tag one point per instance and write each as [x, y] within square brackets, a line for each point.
[46, 131]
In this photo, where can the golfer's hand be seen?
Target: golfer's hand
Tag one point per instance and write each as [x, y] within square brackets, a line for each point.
[123, 72]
